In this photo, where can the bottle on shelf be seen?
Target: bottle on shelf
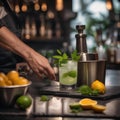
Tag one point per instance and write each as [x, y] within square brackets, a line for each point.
[33, 29]
[57, 30]
[49, 31]
[111, 52]
[101, 47]
[42, 29]
[27, 28]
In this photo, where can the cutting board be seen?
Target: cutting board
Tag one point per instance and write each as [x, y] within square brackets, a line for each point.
[111, 92]
[59, 106]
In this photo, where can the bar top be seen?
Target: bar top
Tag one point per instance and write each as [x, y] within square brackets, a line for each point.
[62, 100]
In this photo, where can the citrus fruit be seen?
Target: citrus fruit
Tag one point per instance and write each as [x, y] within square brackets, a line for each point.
[87, 103]
[97, 85]
[44, 98]
[24, 101]
[13, 76]
[75, 105]
[98, 108]
[3, 75]
[7, 81]
[21, 81]
[2, 81]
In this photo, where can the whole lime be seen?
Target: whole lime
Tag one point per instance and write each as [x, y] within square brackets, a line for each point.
[24, 101]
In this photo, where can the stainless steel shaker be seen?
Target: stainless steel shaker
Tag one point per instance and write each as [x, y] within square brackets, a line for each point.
[90, 67]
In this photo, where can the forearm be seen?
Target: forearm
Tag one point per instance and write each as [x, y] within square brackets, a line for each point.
[38, 63]
[11, 42]
[5, 46]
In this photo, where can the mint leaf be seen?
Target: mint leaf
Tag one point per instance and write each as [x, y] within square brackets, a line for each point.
[59, 52]
[57, 57]
[70, 73]
[75, 56]
[63, 57]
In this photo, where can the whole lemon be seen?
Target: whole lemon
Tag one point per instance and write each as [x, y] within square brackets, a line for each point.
[7, 81]
[21, 81]
[98, 85]
[2, 81]
[13, 76]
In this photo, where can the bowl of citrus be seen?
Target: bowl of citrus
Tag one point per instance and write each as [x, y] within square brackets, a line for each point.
[12, 85]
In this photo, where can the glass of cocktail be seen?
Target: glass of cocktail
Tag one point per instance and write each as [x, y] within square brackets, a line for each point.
[68, 74]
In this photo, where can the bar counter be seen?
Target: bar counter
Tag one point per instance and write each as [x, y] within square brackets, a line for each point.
[59, 111]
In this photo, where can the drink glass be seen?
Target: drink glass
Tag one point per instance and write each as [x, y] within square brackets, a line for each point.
[68, 75]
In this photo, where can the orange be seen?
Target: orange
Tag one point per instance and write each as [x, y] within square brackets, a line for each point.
[87, 103]
[3, 75]
[98, 85]
[13, 76]
[98, 108]
[2, 81]
[22, 81]
[7, 81]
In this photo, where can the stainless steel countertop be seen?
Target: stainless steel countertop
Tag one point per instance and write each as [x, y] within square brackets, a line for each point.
[112, 77]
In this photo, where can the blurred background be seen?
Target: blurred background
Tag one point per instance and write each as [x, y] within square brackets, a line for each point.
[48, 25]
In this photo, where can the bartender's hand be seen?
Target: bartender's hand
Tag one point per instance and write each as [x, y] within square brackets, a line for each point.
[40, 65]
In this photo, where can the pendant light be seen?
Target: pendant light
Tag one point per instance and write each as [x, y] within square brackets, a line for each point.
[59, 5]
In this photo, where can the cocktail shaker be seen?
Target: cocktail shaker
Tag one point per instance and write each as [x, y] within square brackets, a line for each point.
[90, 67]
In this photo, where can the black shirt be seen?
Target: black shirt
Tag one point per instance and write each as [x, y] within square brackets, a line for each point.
[8, 60]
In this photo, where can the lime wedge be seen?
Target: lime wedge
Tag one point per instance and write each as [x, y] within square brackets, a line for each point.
[72, 73]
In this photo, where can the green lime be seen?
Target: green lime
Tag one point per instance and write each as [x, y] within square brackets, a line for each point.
[24, 101]
[72, 73]
[75, 105]
[44, 98]
[68, 81]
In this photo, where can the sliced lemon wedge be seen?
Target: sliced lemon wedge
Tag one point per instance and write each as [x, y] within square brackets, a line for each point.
[87, 103]
[98, 108]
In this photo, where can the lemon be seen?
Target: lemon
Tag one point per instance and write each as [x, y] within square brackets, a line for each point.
[7, 81]
[87, 103]
[3, 75]
[97, 85]
[13, 76]
[98, 108]
[21, 81]
[24, 101]
[2, 81]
